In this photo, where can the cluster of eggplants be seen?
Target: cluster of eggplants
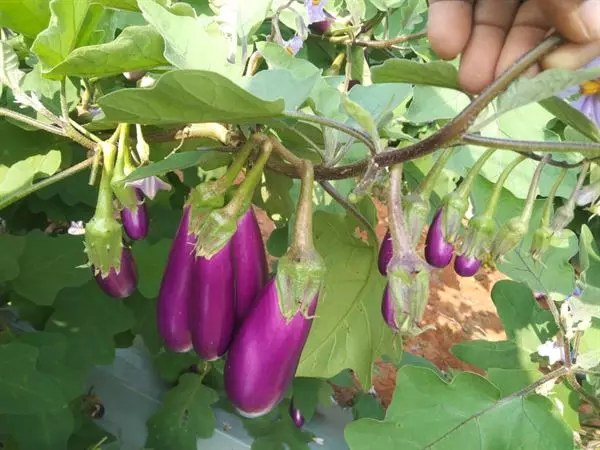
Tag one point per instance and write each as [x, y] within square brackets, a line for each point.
[202, 300]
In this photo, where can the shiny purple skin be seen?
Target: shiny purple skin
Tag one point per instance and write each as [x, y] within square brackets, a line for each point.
[122, 284]
[176, 290]
[264, 355]
[212, 305]
[438, 253]
[296, 416]
[386, 251]
[249, 264]
[465, 266]
[387, 309]
[136, 223]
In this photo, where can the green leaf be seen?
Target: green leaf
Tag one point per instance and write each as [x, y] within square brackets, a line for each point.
[89, 319]
[188, 96]
[12, 248]
[589, 257]
[144, 312]
[487, 355]
[468, 413]
[28, 17]
[366, 405]
[21, 175]
[49, 264]
[271, 85]
[350, 301]
[307, 393]
[136, 48]
[572, 116]
[184, 416]
[191, 43]
[433, 103]
[437, 73]
[23, 388]
[544, 85]
[128, 5]
[48, 431]
[53, 45]
[151, 265]
[10, 72]
[171, 365]
[357, 10]
[380, 100]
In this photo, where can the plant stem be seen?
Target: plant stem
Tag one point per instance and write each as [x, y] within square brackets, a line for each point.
[64, 107]
[391, 42]
[31, 121]
[493, 200]
[85, 132]
[531, 146]
[428, 183]
[463, 189]
[577, 387]
[236, 166]
[546, 214]
[302, 242]
[533, 188]
[46, 182]
[400, 238]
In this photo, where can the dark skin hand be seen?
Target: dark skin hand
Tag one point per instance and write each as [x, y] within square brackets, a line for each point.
[492, 34]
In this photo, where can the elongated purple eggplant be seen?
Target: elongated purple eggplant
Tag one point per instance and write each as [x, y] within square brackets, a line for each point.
[465, 266]
[249, 264]
[438, 252]
[136, 223]
[387, 309]
[264, 355]
[123, 283]
[212, 305]
[296, 415]
[176, 289]
[386, 251]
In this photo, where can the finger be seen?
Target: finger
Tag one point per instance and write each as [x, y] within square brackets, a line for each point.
[529, 29]
[492, 20]
[572, 56]
[577, 20]
[449, 26]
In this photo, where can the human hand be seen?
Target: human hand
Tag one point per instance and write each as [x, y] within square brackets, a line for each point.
[490, 35]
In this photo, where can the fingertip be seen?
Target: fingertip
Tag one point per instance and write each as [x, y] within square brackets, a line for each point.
[572, 56]
[449, 27]
[479, 59]
[520, 40]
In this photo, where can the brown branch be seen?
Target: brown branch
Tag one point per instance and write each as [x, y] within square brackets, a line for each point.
[391, 42]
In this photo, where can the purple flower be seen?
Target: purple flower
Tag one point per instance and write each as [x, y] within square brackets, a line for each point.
[588, 102]
[315, 10]
[293, 45]
[150, 186]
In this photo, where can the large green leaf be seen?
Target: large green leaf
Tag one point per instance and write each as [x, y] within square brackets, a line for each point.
[572, 116]
[468, 413]
[432, 103]
[12, 248]
[144, 312]
[349, 331]
[89, 319]
[25, 16]
[53, 45]
[128, 5]
[590, 267]
[188, 96]
[48, 431]
[437, 73]
[136, 48]
[49, 264]
[184, 416]
[10, 71]
[24, 389]
[191, 43]
[151, 265]
[271, 85]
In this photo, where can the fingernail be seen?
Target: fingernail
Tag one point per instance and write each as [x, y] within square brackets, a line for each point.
[590, 16]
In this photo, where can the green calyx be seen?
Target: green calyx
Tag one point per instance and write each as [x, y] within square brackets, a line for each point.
[126, 195]
[416, 212]
[214, 227]
[478, 239]
[541, 242]
[565, 214]
[103, 233]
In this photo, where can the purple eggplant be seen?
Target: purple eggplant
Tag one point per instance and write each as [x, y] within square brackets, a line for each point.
[387, 308]
[212, 305]
[296, 416]
[438, 252]
[136, 223]
[176, 290]
[264, 355]
[122, 284]
[465, 266]
[386, 251]
[249, 264]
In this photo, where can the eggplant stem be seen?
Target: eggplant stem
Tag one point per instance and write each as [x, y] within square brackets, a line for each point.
[302, 240]
[493, 201]
[400, 238]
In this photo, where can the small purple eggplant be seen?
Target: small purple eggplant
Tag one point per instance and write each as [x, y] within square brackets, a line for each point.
[296, 416]
[465, 266]
[264, 355]
[386, 251]
[212, 305]
[249, 264]
[123, 283]
[438, 253]
[176, 290]
[387, 309]
[136, 223]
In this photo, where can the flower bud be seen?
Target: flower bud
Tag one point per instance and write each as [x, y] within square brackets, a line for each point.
[508, 237]
[540, 243]
[562, 217]
[587, 194]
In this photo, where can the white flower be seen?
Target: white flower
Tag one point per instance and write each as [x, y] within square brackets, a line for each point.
[319, 441]
[77, 228]
[150, 186]
[315, 10]
[552, 350]
[294, 45]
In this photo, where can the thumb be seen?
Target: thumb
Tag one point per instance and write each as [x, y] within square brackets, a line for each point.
[576, 20]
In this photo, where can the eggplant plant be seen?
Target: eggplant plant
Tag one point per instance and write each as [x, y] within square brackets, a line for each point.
[268, 200]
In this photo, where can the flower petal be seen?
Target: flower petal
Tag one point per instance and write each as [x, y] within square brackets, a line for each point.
[294, 45]
[314, 10]
[150, 186]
